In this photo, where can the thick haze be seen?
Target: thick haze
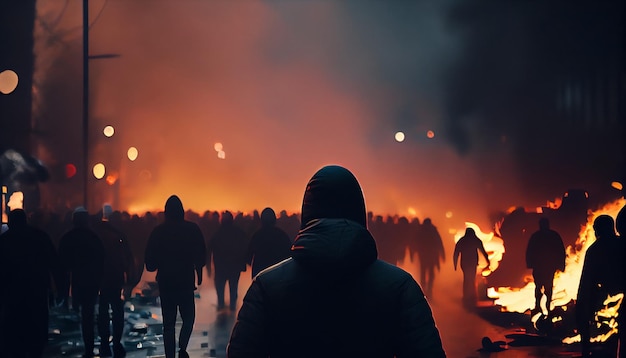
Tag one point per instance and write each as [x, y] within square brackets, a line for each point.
[289, 86]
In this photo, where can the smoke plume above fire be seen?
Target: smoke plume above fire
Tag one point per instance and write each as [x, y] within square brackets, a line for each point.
[285, 87]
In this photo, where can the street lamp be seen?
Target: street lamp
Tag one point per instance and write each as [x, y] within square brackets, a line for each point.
[86, 59]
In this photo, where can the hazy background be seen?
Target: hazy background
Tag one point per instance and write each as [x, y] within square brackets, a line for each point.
[524, 99]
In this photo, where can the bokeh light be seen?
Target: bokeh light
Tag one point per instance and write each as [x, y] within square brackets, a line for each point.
[112, 178]
[617, 185]
[449, 214]
[99, 170]
[70, 170]
[430, 134]
[218, 147]
[221, 154]
[132, 153]
[109, 131]
[399, 136]
[8, 81]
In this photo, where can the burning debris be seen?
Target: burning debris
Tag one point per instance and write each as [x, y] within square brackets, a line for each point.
[560, 322]
[22, 173]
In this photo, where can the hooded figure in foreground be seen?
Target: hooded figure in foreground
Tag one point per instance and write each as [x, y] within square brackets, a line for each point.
[333, 297]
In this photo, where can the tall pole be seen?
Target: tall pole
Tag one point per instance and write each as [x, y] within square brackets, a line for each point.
[85, 100]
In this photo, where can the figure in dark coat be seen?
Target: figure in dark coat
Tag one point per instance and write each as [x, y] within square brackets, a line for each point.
[176, 250]
[545, 255]
[620, 226]
[28, 261]
[82, 255]
[333, 297]
[118, 269]
[228, 248]
[468, 247]
[602, 276]
[269, 245]
[431, 253]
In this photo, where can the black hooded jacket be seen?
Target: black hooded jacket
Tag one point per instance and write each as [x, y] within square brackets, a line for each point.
[176, 249]
[269, 245]
[334, 298]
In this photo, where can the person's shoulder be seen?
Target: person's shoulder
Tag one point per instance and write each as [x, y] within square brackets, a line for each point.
[386, 267]
[191, 225]
[277, 272]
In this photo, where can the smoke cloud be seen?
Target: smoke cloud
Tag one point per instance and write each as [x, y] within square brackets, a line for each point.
[287, 87]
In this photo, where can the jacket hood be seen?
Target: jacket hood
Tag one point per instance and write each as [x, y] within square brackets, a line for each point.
[337, 248]
[174, 208]
[333, 192]
[268, 217]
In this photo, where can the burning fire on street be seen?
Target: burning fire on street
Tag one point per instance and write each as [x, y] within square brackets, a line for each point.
[512, 299]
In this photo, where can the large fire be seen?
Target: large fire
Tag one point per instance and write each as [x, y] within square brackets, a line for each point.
[566, 283]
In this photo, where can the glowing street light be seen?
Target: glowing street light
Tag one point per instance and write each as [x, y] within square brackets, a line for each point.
[399, 137]
[108, 131]
[8, 81]
[99, 171]
[132, 153]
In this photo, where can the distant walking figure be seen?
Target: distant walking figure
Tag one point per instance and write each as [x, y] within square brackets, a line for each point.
[620, 225]
[228, 247]
[333, 297]
[118, 268]
[602, 276]
[468, 247]
[431, 253]
[28, 260]
[176, 250]
[82, 255]
[545, 255]
[269, 245]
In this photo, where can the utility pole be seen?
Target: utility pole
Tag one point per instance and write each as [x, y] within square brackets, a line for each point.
[85, 101]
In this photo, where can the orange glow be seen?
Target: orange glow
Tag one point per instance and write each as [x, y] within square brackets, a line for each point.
[617, 185]
[218, 147]
[16, 201]
[493, 245]
[430, 134]
[565, 283]
[8, 81]
[112, 178]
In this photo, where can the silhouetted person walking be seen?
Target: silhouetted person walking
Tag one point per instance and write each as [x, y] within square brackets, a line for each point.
[269, 245]
[602, 276]
[468, 247]
[176, 250]
[431, 253]
[82, 255]
[545, 255]
[28, 260]
[333, 297]
[229, 246]
[118, 268]
[620, 225]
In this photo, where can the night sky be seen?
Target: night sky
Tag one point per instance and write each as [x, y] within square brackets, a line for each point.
[525, 100]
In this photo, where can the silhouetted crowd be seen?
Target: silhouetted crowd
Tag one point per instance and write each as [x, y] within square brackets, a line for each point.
[335, 262]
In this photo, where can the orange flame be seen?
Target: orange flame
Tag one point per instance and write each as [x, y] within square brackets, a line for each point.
[566, 283]
[493, 245]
